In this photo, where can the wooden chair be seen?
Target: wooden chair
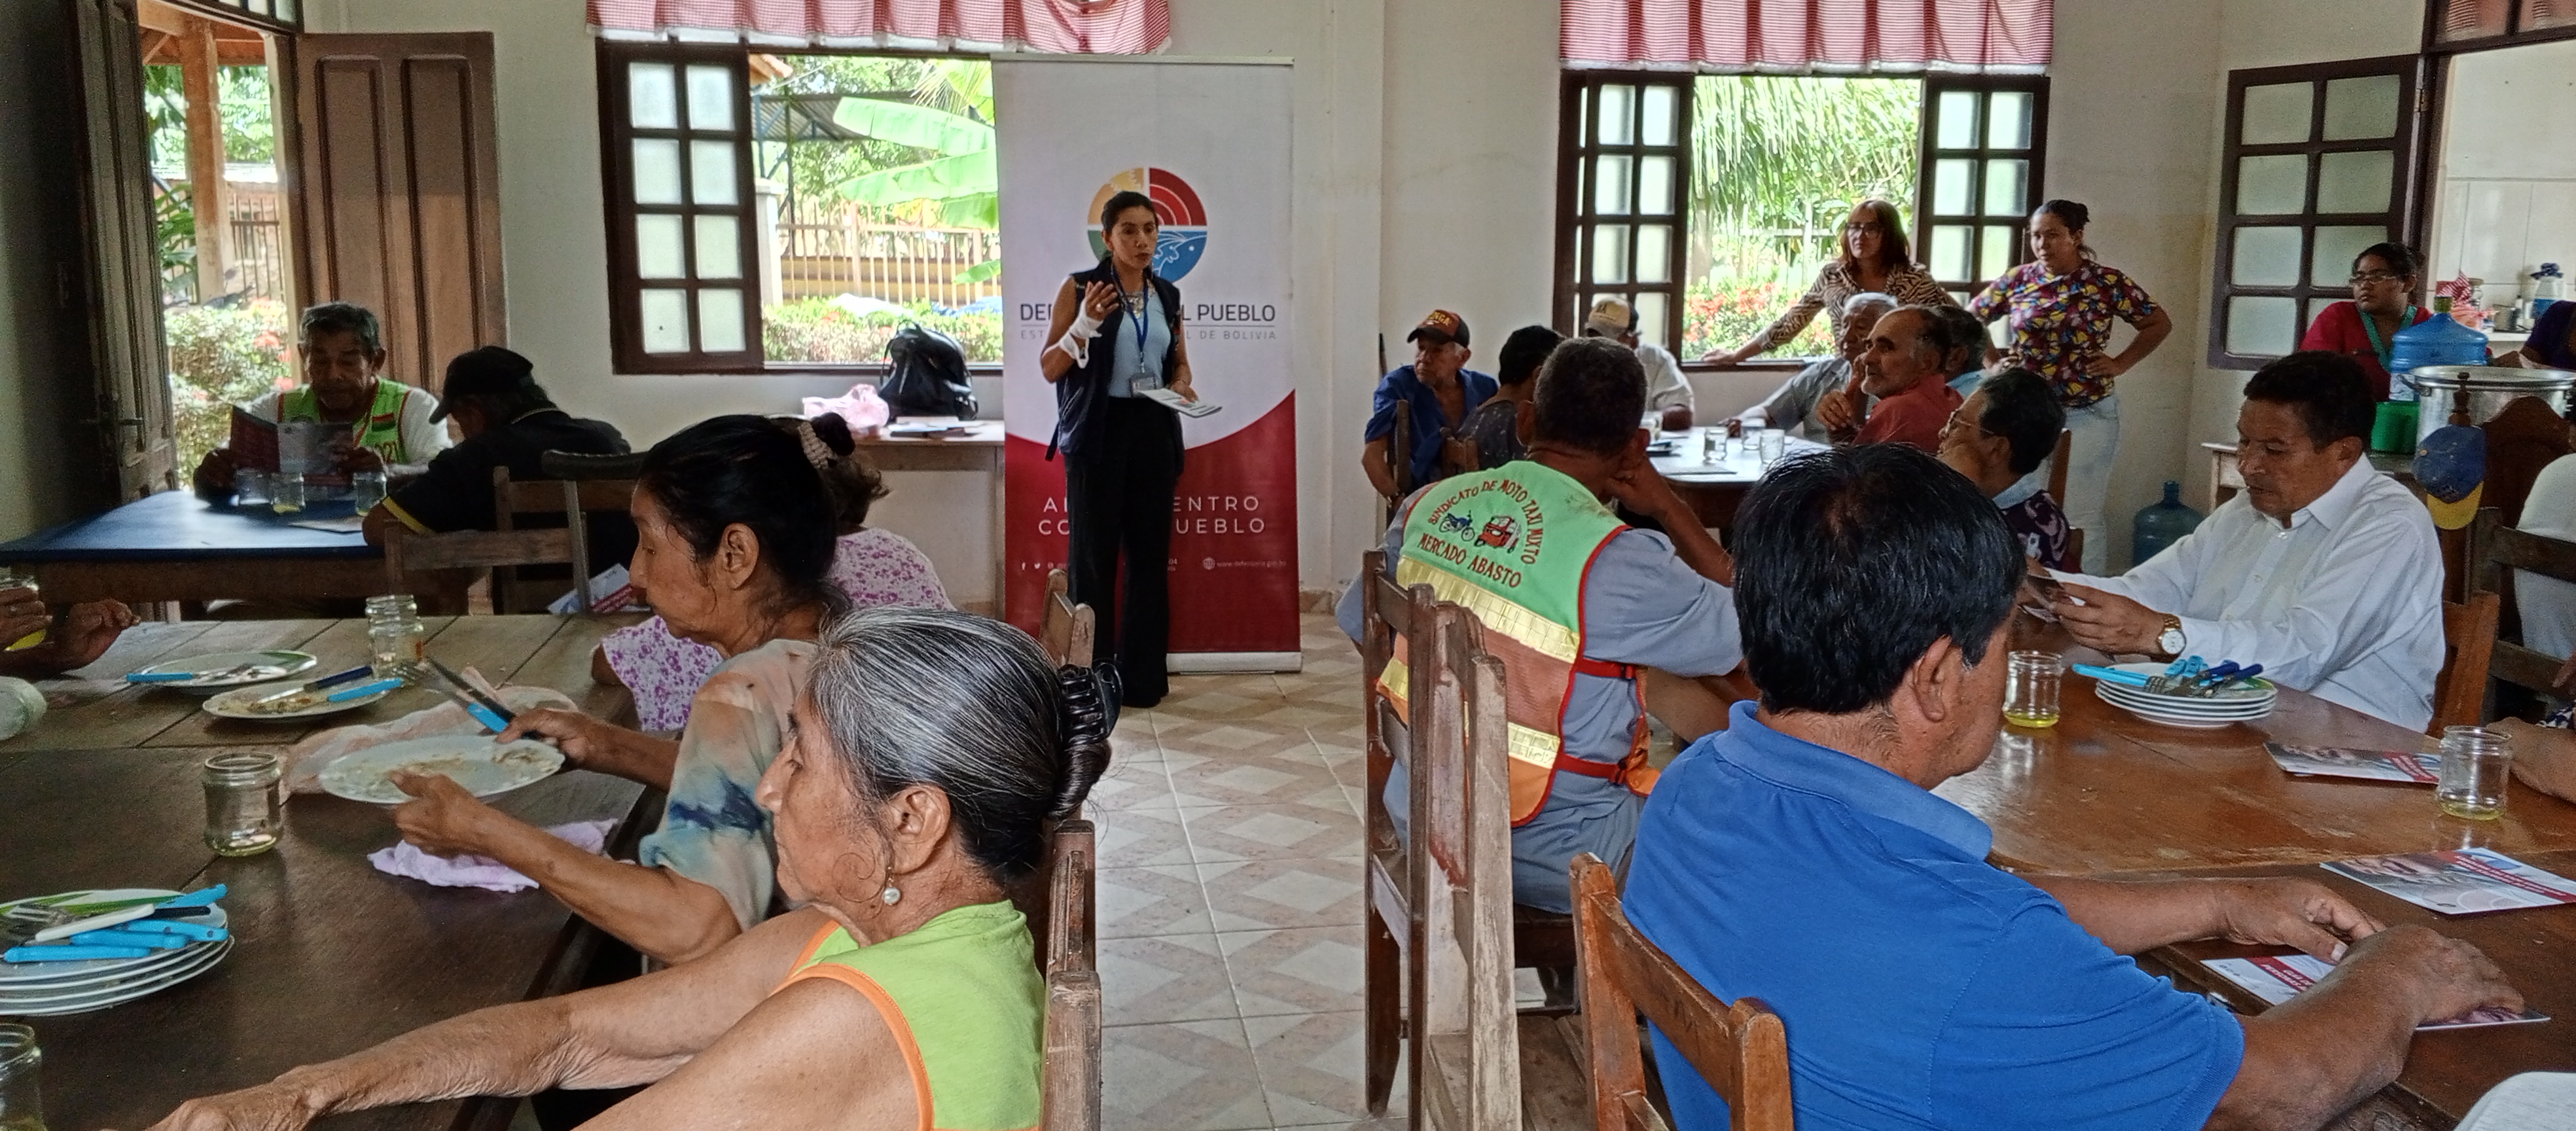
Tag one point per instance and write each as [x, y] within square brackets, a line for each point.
[1742, 1050]
[571, 499]
[1066, 629]
[2495, 549]
[1459, 806]
[2468, 649]
[463, 552]
[1071, 1081]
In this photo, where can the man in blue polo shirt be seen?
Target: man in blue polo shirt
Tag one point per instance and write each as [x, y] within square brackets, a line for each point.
[1800, 857]
[1439, 390]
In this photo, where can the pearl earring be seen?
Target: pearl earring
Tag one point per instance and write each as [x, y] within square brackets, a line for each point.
[891, 895]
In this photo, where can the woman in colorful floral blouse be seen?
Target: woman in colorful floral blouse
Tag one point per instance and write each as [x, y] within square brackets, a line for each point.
[2061, 305]
[1874, 258]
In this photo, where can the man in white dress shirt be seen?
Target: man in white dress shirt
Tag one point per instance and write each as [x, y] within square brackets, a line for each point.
[2323, 571]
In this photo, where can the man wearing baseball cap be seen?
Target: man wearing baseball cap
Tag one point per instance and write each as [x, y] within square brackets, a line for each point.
[507, 420]
[1439, 391]
[1667, 394]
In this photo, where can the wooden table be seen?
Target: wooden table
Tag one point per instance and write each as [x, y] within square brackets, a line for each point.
[176, 547]
[2106, 791]
[330, 956]
[2445, 1072]
[977, 448]
[1714, 490]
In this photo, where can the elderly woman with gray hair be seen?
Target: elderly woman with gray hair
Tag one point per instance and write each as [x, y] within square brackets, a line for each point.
[901, 995]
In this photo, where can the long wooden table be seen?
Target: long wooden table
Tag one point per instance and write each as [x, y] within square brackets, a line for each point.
[1714, 490]
[330, 955]
[2445, 1072]
[2107, 793]
[175, 547]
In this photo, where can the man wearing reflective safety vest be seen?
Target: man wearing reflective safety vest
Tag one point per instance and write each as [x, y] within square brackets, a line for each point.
[392, 426]
[1575, 603]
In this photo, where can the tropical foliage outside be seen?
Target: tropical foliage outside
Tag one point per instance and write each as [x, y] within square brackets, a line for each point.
[909, 153]
[220, 357]
[1777, 163]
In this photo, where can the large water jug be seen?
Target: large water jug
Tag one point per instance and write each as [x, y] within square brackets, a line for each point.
[2162, 524]
[2434, 341]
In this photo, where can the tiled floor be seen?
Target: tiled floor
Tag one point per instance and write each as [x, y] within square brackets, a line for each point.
[1230, 902]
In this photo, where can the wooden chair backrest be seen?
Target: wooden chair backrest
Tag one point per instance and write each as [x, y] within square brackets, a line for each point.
[407, 554]
[2494, 549]
[1462, 880]
[2468, 650]
[1066, 629]
[2057, 467]
[1742, 1050]
[1071, 1077]
[571, 498]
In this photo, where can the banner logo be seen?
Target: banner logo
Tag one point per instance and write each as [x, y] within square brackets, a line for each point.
[1176, 208]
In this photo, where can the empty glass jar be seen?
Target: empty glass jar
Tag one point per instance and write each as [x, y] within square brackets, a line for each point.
[395, 635]
[244, 813]
[21, 1108]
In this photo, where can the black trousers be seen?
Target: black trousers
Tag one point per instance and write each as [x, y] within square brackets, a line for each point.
[1119, 490]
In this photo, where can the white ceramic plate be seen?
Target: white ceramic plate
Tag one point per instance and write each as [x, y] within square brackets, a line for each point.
[2167, 705]
[267, 666]
[198, 959]
[482, 766]
[16, 977]
[237, 703]
[2255, 688]
[2192, 722]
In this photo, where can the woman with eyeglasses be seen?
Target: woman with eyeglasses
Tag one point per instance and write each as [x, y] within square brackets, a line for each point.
[1874, 258]
[2383, 303]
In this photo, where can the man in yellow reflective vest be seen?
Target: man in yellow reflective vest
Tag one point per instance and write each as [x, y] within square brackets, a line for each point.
[1575, 603]
[391, 425]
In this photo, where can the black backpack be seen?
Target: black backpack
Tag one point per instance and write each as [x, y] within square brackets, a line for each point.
[929, 376]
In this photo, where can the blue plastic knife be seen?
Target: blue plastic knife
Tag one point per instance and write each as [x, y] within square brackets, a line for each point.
[43, 953]
[2113, 675]
[362, 690]
[119, 936]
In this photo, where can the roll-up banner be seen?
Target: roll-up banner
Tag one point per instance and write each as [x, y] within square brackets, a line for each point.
[1208, 141]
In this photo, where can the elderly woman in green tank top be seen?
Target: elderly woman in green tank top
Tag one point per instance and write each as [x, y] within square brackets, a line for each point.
[903, 994]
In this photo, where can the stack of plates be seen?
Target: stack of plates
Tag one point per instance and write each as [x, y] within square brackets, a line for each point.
[49, 989]
[2244, 702]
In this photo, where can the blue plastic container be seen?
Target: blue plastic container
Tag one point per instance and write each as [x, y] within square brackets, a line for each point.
[2434, 341]
[2162, 524]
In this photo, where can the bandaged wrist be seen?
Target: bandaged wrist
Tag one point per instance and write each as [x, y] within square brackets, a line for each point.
[1076, 342]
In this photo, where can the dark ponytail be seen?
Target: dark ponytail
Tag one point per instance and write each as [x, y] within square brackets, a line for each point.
[744, 470]
[853, 483]
[1083, 723]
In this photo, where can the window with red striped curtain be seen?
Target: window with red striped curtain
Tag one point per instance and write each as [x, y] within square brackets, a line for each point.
[1858, 35]
[1099, 27]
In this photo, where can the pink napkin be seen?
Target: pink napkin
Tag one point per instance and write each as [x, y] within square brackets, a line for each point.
[403, 859]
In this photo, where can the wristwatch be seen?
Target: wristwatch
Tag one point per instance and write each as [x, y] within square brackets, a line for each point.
[2170, 643]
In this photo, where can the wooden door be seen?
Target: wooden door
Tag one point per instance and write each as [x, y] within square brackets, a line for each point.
[121, 276]
[397, 190]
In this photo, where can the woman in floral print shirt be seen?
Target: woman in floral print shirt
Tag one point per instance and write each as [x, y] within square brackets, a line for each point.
[1874, 260]
[2061, 305]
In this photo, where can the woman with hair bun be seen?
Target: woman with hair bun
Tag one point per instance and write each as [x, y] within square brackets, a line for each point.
[899, 994]
[2364, 327]
[871, 566]
[2060, 306]
[734, 536]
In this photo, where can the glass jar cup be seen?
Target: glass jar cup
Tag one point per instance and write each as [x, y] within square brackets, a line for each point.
[244, 812]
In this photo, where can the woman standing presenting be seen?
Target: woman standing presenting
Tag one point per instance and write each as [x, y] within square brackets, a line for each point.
[1122, 452]
[2383, 302]
[2061, 305]
[1873, 259]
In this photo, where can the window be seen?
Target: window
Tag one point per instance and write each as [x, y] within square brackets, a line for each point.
[2317, 159]
[1982, 141]
[793, 211]
[1711, 201]
[1619, 198]
[2476, 24]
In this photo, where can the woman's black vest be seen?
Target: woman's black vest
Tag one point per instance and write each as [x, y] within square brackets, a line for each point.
[1079, 392]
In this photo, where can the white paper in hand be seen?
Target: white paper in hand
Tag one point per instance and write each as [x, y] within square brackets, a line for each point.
[1178, 403]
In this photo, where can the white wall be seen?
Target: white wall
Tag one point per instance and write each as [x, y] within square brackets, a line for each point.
[1425, 156]
[2506, 196]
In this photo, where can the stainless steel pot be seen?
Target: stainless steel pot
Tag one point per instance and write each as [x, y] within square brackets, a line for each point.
[2488, 389]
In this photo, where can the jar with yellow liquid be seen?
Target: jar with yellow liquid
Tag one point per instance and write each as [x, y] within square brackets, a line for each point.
[12, 579]
[2031, 688]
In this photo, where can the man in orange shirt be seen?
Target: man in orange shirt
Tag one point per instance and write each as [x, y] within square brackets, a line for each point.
[1907, 366]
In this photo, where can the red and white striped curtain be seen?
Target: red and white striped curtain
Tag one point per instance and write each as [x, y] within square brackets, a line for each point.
[1098, 27]
[1857, 35]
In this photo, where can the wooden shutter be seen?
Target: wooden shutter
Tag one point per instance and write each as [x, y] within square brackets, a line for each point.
[122, 273]
[398, 191]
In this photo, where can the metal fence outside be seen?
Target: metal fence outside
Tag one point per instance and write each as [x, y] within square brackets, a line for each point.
[832, 248]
